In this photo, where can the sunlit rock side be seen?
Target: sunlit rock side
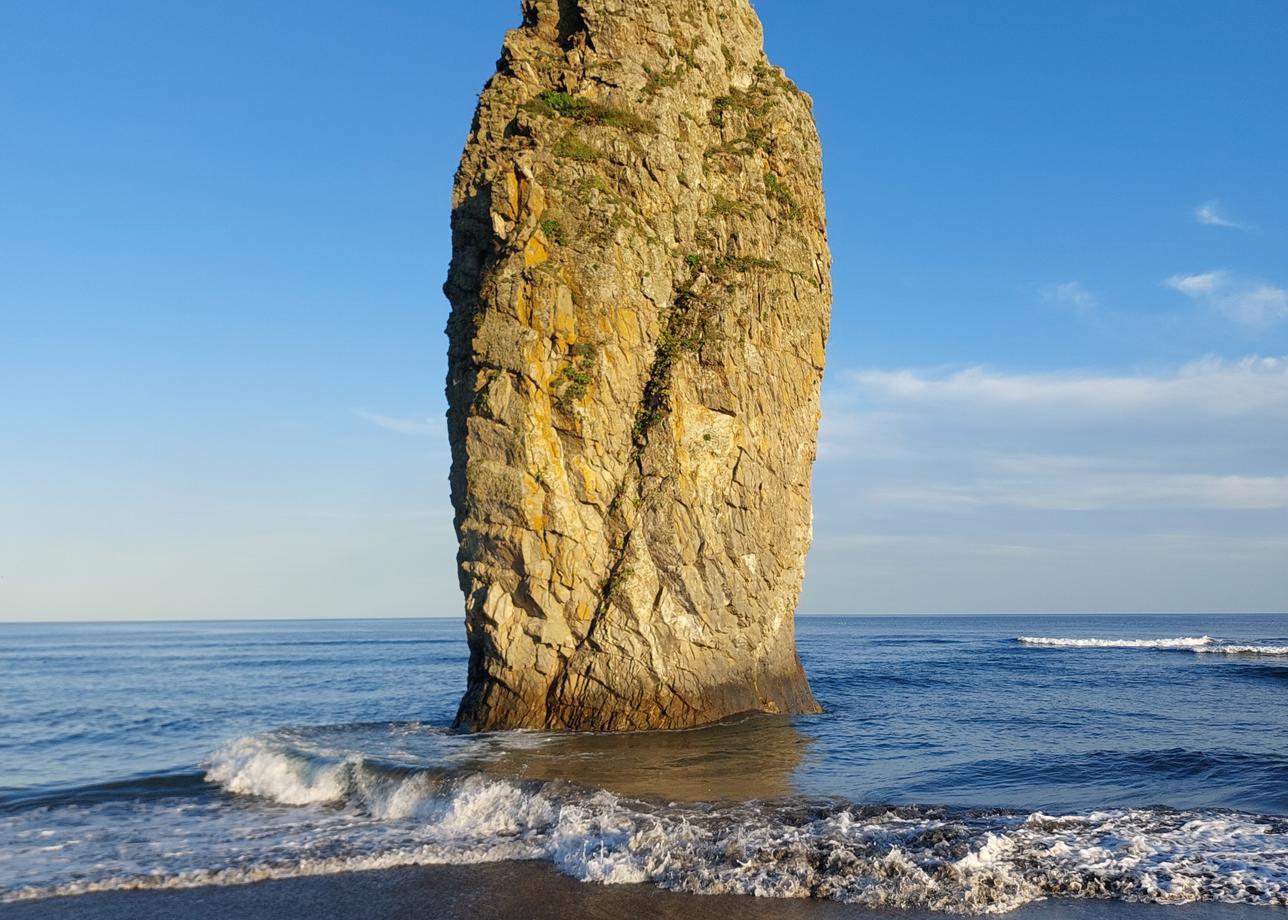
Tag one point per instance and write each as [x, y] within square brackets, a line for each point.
[640, 299]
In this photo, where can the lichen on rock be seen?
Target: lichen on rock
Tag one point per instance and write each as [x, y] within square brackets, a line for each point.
[640, 300]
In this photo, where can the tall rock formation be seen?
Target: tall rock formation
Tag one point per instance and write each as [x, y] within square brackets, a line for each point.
[640, 301]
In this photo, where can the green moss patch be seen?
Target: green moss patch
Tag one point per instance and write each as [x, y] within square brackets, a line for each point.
[558, 104]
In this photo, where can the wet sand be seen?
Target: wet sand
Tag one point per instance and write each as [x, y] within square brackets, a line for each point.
[525, 890]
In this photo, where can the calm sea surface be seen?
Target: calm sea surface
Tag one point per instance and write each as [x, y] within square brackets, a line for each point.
[963, 764]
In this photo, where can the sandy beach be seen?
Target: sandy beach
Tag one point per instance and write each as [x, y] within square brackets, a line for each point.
[530, 890]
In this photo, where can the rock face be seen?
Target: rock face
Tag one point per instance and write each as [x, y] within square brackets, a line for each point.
[640, 299]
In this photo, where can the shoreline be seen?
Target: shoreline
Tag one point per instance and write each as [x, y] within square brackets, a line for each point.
[532, 890]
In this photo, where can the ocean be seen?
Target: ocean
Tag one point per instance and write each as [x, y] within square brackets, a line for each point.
[963, 764]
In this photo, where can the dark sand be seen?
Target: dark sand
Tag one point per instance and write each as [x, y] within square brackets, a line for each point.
[521, 890]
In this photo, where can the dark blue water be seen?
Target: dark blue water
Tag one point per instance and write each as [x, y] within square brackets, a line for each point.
[990, 770]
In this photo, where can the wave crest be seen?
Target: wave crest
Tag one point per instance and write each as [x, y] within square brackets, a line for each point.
[250, 766]
[1190, 642]
[1263, 651]
[269, 769]
[1203, 644]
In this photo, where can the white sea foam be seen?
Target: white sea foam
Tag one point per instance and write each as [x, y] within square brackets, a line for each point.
[299, 868]
[271, 769]
[1191, 642]
[250, 766]
[342, 813]
[1268, 651]
[1202, 644]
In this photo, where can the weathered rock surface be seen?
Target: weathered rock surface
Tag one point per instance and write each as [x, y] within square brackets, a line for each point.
[640, 299]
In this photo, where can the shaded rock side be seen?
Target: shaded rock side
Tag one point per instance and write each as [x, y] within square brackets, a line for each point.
[640, 300]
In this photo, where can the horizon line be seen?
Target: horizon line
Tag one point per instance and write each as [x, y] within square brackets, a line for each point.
[461, 617]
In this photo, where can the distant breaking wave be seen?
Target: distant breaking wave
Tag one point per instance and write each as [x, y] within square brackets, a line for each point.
[1261, 650]
[351, 812]
[1191, 642]
[1203, 644]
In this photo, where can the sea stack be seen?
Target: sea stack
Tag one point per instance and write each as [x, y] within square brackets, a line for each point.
[640, 301]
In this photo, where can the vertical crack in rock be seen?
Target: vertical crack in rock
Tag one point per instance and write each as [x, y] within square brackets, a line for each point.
[640, 300]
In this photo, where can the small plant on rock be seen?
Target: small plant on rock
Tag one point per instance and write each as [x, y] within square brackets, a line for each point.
[553, 230]
[565, 105]
[572, 147]
[576, 376]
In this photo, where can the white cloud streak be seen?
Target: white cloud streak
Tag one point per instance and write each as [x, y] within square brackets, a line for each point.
[1209, 213]
[1070, 294]
[1249, 302]
[1207, 387]
[402, 425]
[1101, 491]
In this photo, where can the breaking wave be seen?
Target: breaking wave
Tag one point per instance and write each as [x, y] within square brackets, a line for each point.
[322, 813]
[1263, 651]
[1200, 644]
[1190, 642]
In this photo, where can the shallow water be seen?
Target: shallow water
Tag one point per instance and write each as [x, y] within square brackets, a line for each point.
[956, 767]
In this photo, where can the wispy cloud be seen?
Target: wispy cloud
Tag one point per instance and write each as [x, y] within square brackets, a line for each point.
[1195, 285]
[1099, 490]
[426, 425]
[414, 514]
[1209, 387]
[1070, 294]
[1206, 437]
[1209, 213]
[347, 514]
[1248, 301]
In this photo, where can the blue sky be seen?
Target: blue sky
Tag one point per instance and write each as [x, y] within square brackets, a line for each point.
[1056, 381]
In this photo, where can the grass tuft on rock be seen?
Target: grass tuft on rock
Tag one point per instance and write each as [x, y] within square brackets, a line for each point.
[572, 147]
[553, 230]
[559, 104]
[779, 192]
